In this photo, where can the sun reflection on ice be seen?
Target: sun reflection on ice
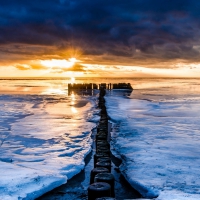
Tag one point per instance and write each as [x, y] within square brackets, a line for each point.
[74, 110]
[54, 91]
[73, 100]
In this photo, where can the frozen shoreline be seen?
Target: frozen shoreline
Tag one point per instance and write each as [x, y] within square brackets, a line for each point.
[178, 115]
[44, 141]
[157, 143]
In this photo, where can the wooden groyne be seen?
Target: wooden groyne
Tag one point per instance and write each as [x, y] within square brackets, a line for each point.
[93, 86]
[102, 182]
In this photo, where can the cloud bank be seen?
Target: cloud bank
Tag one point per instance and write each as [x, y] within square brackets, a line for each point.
[142, 32]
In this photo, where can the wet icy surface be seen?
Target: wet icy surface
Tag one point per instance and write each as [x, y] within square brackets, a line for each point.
[158, 140]
[45, 136]
[76, 188]
[43, 142]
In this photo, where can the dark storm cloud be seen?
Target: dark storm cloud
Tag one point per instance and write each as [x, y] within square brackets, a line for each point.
[127, 30]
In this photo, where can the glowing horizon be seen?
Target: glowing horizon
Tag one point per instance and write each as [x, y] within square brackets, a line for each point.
[73, 67]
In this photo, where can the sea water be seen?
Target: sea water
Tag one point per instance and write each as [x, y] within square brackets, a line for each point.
[45, 135]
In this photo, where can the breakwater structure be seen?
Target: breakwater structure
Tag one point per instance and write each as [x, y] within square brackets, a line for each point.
[91, 86]
[102, 181]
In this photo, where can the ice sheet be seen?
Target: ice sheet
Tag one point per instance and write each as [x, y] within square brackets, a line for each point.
[43, 142]
[158, 142]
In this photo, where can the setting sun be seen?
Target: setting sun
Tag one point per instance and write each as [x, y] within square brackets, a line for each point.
[59, 63]
[73, 60]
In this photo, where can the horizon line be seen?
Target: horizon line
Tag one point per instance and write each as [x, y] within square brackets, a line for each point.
[150, 77]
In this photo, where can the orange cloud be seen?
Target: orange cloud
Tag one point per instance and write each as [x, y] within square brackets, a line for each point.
[22, 67]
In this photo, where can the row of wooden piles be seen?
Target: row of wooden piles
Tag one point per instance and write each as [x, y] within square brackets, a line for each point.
[102, 182]
[93, 86]
[82, 86]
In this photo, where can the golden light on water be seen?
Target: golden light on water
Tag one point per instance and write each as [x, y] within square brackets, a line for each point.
[72, 96]
[73, 80]
[74, 110]
[73, 99]
[54, 91]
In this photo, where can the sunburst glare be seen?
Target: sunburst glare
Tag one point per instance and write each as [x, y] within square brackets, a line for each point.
[59, 63]
[73, 80]
[72, 60]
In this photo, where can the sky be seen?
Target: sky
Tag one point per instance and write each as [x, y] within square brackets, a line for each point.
[71, 38]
